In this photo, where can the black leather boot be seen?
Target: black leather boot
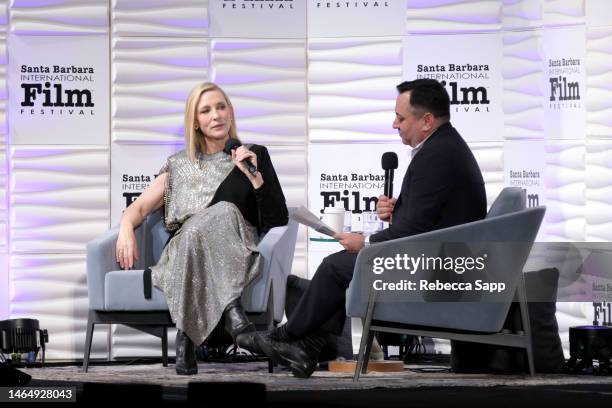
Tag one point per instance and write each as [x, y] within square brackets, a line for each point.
[186, 363]
[236, 321]
[301, 356]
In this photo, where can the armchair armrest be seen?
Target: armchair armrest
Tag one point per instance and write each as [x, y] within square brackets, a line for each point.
[100, 260]
[270, 240]
[255, 295]
[504, 264]
[276, 249]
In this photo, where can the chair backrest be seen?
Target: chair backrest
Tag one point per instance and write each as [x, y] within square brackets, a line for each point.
[511, 199]
[517, 227]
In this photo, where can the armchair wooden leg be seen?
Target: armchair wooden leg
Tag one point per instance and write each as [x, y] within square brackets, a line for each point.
[530, 361]
[109, 342]
[164, 339]
[524, 311]
[88, 339]
[367, 336]
[364, 354]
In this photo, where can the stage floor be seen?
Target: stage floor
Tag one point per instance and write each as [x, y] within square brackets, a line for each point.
[413, 376]
[419, 385]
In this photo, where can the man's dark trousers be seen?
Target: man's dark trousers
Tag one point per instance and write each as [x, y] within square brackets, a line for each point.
[327, 291]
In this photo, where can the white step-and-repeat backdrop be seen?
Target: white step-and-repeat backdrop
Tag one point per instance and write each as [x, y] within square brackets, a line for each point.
[92, 96]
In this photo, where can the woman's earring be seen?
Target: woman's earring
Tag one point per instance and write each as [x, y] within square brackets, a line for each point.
[196, 127]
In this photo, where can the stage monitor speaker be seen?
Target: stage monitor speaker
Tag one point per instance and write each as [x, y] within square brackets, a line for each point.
[588, 343]
[21, 336]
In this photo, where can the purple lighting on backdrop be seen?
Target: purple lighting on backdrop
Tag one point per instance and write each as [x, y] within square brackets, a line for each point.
[37, 3]
[190, 61]
[184, 23]
[237, 45]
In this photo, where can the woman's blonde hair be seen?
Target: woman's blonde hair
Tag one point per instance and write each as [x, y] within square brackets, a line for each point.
[194, 138]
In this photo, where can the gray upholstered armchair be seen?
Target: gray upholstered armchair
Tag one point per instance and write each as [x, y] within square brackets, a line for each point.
[117, 296]
[474, 321]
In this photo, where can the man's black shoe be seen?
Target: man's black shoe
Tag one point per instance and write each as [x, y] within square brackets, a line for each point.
[300, 356]
[248, 342]
[186, 363]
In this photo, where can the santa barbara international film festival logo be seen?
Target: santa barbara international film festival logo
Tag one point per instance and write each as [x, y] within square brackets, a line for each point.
[132, 185]
[351, 4]
[528, 180]
[465, 84]
[257, 4]
[602, 313]
[57, 90]
[564, 84]
[347, 190]
[288, 4]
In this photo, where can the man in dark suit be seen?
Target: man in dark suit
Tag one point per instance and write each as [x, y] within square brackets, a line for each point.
[442, 187]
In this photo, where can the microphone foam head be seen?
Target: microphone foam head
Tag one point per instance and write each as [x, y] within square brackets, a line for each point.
[389, 161]
[231, 144]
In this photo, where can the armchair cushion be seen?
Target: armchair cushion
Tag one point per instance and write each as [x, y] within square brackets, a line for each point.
[124, 291]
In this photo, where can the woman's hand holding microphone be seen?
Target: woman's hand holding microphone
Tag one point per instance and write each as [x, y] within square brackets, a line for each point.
[239, 156]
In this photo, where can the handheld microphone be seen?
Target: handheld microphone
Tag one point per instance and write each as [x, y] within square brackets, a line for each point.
[232, 144]
[389, 164]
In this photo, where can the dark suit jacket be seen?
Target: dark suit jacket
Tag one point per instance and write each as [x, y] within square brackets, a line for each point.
[265, 207]
[443, 186]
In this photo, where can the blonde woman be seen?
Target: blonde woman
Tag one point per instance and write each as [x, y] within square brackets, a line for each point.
[216, 210]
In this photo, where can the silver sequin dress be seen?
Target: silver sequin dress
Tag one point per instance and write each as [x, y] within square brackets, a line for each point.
[212, 255]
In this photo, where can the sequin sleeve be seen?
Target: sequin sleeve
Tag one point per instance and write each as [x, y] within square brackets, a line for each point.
[168, 223]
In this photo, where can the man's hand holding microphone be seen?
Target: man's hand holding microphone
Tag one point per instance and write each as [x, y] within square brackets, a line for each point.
[384, 207]
[353, 242]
